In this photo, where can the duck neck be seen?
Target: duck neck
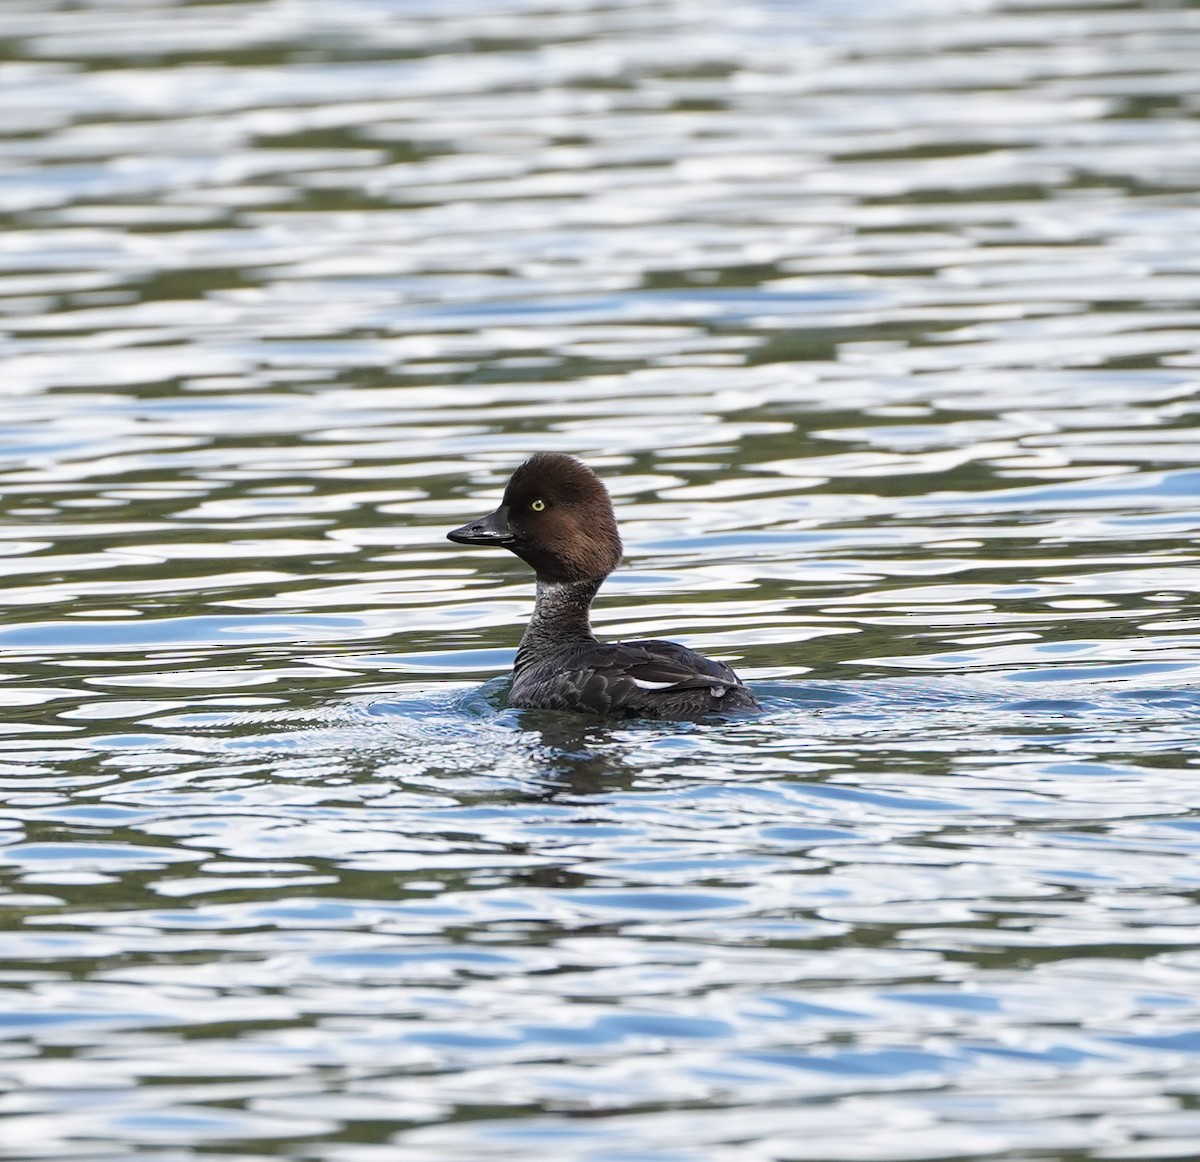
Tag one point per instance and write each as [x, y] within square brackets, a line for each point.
[560, 617]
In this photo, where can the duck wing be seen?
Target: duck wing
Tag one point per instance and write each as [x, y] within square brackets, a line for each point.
[661, 665]
[657, 678]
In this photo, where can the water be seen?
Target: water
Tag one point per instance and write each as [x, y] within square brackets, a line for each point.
[880, 320]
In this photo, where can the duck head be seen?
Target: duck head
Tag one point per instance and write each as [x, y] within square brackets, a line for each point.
[557, 517]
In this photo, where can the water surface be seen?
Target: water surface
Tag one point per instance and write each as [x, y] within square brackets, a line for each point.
[880, 321]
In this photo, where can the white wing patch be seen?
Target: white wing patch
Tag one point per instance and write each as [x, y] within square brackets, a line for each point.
[642, 684]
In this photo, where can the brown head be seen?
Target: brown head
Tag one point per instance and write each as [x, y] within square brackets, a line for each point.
[557, 517]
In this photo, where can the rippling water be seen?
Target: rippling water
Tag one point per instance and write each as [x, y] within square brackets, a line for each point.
[881, 321]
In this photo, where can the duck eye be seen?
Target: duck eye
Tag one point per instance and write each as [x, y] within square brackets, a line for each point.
[538, 505]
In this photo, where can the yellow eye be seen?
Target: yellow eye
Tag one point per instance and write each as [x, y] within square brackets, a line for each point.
[538, 505]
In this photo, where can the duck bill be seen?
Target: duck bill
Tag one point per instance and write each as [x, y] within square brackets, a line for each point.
[487, 530]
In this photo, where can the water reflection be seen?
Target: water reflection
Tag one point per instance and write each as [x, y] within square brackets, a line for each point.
[881, 324]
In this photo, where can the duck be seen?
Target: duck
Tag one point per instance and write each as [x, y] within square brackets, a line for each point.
[557, 516]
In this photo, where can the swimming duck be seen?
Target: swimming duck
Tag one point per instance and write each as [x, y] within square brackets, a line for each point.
[557, 517]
